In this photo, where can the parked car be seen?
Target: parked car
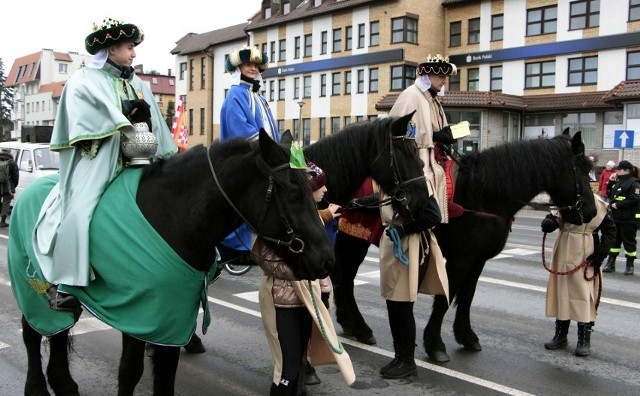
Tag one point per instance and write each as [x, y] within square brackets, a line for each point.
[34, 160]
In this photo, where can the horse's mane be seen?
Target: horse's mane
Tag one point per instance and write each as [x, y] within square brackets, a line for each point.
[494, 172]
[348, 152]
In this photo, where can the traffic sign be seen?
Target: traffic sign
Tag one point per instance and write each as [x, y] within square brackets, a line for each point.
[623, 138]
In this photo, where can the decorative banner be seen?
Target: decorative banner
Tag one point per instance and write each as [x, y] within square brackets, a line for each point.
[179, 127]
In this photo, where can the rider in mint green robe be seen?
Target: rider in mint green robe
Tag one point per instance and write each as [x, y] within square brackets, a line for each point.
[87, 134]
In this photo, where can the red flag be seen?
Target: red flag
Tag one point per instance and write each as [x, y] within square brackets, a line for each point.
[179, 127]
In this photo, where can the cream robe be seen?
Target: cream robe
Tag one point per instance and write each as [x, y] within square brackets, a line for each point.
[429, 117]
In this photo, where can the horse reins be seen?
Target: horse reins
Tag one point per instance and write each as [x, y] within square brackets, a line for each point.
[295, 244]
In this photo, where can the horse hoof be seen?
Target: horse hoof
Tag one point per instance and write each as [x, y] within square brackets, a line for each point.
[368, 339]
[473, 347]
[438, 356]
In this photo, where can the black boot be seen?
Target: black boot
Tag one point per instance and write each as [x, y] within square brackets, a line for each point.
[3, 221]
[406, 365]
[610, 266]
[629, 270]
[311, 377]
[584, 339]
[284, 388]
[195, 345]
[560, 338]
[61, 302]
[395, 361]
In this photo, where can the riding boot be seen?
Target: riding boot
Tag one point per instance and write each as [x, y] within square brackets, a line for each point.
[584, 339]
[395, 361]
[284, 388]
[403, 331]
[406, 365]
[311, 377]
[3, 221]
[195, 345]
[610, 266]
[629, 270]
[560, 338]
[61, 302]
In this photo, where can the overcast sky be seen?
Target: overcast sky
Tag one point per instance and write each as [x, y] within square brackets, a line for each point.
[28, 26]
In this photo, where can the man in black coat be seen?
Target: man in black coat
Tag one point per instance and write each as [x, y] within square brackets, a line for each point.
[624, 203]
[9, 179]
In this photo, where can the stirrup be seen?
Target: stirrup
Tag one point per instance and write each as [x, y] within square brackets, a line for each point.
[61, 302]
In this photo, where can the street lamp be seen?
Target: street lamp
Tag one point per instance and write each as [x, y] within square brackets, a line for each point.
[300, 129]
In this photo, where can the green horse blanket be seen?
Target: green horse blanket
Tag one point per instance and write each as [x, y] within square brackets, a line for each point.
[141, 287]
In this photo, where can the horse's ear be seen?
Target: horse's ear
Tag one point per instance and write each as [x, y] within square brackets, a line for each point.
[576, 143]
[566, 131]
[287, 137]
[399, 126]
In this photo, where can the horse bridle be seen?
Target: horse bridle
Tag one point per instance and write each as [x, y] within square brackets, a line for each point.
[295, 244]
[578, 206]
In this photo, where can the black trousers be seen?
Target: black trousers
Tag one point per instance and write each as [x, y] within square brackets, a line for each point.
[625, 236]
[294, 332]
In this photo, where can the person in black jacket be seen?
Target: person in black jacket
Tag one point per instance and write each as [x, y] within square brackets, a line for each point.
[624, 204]
[8, 187]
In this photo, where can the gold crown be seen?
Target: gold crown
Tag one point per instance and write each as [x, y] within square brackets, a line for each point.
[437, 58]
[107, 23]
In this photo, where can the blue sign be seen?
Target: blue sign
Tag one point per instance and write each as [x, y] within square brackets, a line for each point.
[623, 138]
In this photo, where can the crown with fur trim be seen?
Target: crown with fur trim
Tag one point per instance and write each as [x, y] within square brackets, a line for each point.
[437, 64]
[112, 32]
[246, 55]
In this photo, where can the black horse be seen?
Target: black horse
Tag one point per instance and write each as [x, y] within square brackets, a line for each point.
[381, 149]
[492, 186]
[192, 200]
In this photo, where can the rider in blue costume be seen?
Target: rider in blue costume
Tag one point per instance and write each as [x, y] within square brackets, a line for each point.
[244, 112]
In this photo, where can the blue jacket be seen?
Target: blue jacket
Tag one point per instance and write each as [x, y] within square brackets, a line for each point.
[241, 115]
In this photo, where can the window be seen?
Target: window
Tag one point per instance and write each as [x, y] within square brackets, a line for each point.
[264, 50]
[296, 87]
[323, 127]
[361, 35]
[585, 122]
[62, 68]
[496, 78]
[542, 20]
[281, 89]
[347, 82]
[323, 85]
[614, 117]
[404, 30]
[455, 34]
[272, 84]
[337, 40]
[634, 10]
[203, 72]
[402, 77]
[348, 37]
[373, 80]
[360, 87]
[359, 118]
[374, 34]
[281, 125]
[473, 79]
[474, 31]
[347, 120]
[633, 66]
[540, 75]
[202, 123]
[335, 83]
[307, 45]
[191, 75]
[272, 56]
[584, 14]
[154, 80]
[183, 70]
[335, 124]
[633, 111]
[190, 121]
[306, 131]
[296, 48]
[282, 50]
[454, 82]
[323, 42]
[583, 70]
[497, 27]
[306, 81]
[172, 82]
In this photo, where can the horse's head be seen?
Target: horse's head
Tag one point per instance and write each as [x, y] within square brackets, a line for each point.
[571, 192]
[288, 218]
[399, 169]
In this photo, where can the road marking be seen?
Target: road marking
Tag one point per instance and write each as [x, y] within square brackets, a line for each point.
[432, 367]
[3, 345]
[249, 296]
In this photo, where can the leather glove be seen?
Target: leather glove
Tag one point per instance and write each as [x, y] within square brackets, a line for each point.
[363, 202]
[549, 223]
[596, 260]
[444, 136]
[137, 110]
[398, 227]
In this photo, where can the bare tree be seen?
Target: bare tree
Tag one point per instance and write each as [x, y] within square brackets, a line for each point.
[6, 104]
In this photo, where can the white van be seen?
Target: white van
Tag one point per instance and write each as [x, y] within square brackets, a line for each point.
[34, 160]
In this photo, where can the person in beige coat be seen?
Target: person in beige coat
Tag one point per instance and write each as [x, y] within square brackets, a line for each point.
[296, 317]
[571, 296]
[429, 122]
[410, 262]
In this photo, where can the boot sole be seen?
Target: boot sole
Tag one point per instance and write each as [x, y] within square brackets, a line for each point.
[413, 372]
